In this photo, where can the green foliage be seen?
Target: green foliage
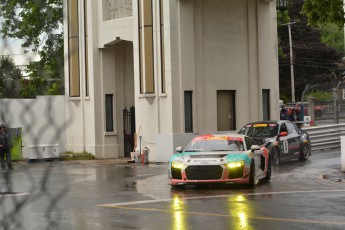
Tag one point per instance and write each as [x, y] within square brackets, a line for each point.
[10, 76]
[322, 12]
[77, 156]
[282, 18]
[55, 88]
[33, 87]
[333, 36]
[321, 95]
[314, 61]
[39, 24]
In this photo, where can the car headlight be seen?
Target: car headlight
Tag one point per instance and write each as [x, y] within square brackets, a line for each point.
[178, 165]
[233, 165]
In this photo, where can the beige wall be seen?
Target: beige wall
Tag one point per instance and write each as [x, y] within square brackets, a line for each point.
[209, 46]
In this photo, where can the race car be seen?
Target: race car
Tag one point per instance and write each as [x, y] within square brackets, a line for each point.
[220, 158]
[284, 139]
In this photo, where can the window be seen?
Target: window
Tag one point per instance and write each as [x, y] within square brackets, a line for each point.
[188, 111]
[86, 51]
[73, 49]
[249, 143]
[283, 128]
[146, 60]
[109, 119]
[266, 104]
[291, 127]
[161, 18]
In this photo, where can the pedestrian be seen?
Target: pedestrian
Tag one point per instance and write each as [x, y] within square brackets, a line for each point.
[5, 148]
[294, 116]
[283, 113]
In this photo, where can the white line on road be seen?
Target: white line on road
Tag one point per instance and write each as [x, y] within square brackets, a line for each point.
[217, 196]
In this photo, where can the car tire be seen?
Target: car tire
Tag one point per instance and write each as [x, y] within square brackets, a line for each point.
[269, 170]
[275, 156]
[305, 153]
[252, 175]
[177, 186]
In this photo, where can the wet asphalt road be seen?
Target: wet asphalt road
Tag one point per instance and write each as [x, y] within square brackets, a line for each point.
[114, 194]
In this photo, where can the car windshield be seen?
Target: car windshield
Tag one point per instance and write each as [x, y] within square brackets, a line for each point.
[211, 144]
[260, 130]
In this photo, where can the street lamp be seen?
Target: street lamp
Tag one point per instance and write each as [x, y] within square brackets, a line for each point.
[281, 4]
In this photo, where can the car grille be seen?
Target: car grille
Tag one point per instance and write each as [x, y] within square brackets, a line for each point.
[235, 173]
[205, 172]
[176, 174]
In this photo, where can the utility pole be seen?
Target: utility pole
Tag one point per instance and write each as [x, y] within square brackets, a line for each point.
[291, 62]
[291, 65]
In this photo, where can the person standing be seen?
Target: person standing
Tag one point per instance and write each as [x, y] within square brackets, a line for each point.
[5, 148]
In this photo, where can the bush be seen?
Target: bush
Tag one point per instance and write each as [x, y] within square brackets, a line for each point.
[77, 156]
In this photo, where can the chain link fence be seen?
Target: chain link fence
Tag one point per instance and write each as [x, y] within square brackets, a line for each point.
[29, 200]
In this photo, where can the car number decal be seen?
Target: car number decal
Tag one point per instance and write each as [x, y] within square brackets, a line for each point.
[286, 146]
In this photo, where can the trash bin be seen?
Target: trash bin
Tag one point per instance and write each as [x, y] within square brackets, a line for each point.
[16, 138]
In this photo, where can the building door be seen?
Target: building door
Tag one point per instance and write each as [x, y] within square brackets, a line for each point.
[226, 114]
[128, 130]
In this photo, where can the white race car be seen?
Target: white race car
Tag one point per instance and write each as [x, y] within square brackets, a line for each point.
[220, 158]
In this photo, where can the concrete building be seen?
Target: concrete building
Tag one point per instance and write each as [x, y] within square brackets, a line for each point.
[187, 66]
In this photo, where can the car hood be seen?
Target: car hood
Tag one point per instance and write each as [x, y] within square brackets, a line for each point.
[221, 156]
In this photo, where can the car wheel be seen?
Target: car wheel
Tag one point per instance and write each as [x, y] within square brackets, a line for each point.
[305, 152]
[275, 156]
[252, 175]
[269, 170]
[177, 186]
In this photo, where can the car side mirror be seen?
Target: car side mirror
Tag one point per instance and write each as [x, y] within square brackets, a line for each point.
[283, 134]
[179, 149]
[256, 149]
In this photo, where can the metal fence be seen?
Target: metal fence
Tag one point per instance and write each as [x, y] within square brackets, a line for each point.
[328, 112]
[325, 137]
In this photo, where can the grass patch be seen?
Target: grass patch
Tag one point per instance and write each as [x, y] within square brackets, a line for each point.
[69, 156]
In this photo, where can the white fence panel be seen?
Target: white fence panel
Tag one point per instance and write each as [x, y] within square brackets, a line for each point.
[43, 120]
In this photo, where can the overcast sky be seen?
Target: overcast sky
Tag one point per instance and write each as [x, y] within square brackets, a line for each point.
[12, 47]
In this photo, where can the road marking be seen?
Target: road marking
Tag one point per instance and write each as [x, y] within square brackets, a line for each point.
[217, 196]
[225, 215]
[124, 206]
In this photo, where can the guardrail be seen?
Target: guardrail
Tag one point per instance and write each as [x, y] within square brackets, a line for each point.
[325, 137]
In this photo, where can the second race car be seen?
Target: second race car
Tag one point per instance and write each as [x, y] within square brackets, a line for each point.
[283, 138]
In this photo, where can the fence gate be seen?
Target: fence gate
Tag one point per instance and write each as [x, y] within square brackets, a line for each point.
[128, 130]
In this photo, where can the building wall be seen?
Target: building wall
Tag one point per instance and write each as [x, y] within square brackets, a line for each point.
[208, 46]
[212, 45]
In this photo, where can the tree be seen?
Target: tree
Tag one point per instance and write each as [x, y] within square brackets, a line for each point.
[333, 36]
[33, 87]
[314, 61]
[322, 12]
[10, 77]
[39, 24]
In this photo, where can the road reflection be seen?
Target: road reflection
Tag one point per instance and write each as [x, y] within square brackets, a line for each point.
[178, 215]
[240, 212]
